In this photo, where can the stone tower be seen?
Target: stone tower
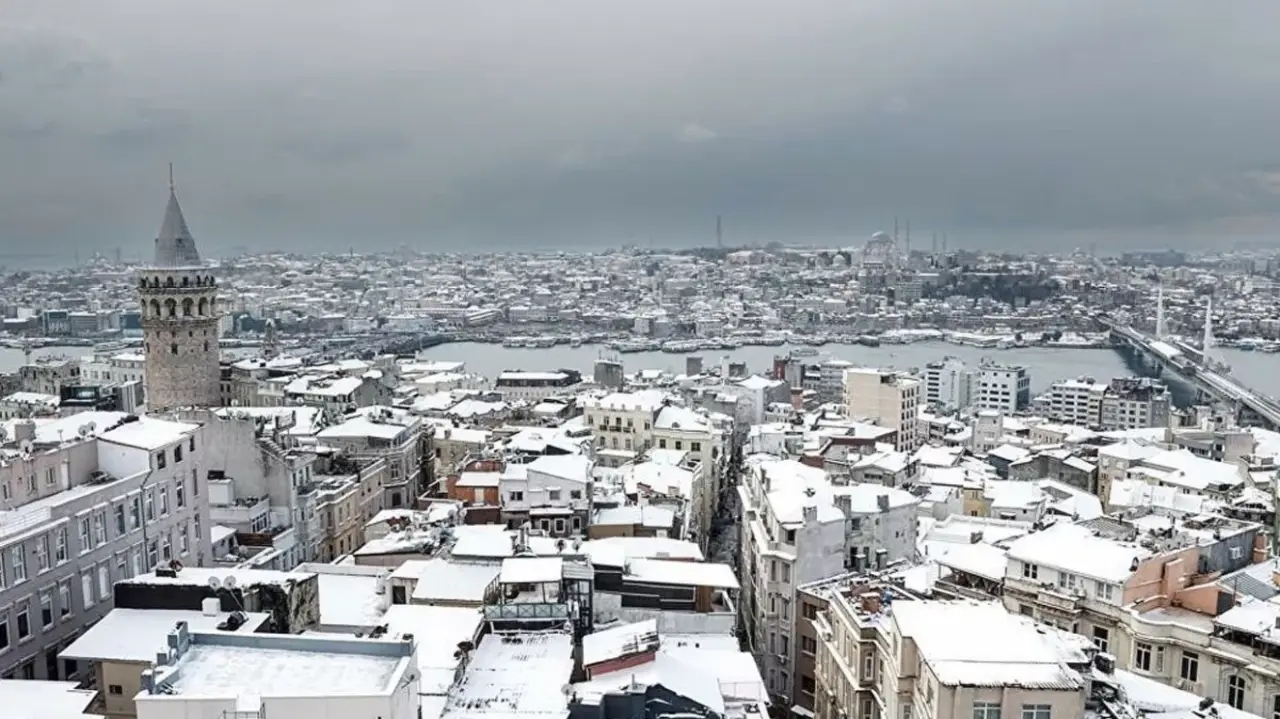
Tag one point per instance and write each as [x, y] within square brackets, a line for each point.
[179, 319]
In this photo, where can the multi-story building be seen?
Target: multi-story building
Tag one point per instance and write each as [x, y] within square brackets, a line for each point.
[551, 493]
[891, 399]
[883, 654]
[180, 320]
[950, 384]
[535, 386]
[91, 499]
[403, 440]
[1135, 403]
[798, 527]
[1003, 387]
[1074, 401]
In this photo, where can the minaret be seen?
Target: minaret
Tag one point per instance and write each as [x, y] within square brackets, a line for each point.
[180, 314]
[1160, 312]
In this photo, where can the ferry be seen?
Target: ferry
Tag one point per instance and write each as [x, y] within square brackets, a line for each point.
[804, 352]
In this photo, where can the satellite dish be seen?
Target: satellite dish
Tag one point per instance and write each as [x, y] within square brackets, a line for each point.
[84, 430]
[215, 583]
[229, 583]
[92, 426]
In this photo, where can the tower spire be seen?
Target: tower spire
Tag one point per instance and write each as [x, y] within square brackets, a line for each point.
[171, 189]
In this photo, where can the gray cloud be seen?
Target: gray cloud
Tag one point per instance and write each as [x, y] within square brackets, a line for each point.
[457, 125]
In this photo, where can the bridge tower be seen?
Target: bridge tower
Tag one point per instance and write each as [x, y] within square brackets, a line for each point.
[1160, 312]
[1206, 342]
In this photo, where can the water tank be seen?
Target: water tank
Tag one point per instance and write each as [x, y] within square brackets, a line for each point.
[210, 607]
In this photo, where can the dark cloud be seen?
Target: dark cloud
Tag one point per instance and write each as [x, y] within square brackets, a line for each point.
[453, 125]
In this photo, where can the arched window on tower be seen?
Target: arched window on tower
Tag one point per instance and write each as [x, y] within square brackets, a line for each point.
[155, 308]
[142, 283]
[199, 281]
[168, 282]
[186, 281]
[203, 307]
[171, 307]
[187, 305]
[155, 281]
[209, 281]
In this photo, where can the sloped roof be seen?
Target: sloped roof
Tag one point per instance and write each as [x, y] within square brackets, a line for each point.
[175, 247]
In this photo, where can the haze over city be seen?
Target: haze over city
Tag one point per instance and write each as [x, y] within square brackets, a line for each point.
[466, 126]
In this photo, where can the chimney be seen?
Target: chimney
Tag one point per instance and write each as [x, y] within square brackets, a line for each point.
[844, 503]
[810, 513]
[882, 501]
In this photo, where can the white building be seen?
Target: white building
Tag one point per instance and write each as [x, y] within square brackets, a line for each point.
[552, 493]
[890, 399]
[1003, 387]
[1074, 401]
[950, 384]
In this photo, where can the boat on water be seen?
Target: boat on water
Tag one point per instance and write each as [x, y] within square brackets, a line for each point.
[804, 352]
[868, 340]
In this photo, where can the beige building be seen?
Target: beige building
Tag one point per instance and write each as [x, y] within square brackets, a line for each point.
[891, 399]
[879, 655]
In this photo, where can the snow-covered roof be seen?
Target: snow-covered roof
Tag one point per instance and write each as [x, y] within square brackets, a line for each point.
[453, 582]
[135, 635]
[1075, 549]
[438, 631]
[531, 570]
[149, 433]
[689, 574]
[515, 676]
[31, 699]
[983, 645]
[620, 641]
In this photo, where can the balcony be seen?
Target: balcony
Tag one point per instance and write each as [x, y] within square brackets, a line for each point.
[1051, 597]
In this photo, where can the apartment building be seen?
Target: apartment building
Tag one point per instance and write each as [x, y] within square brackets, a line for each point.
[883, 654]
[950, 383]
[1074, 401]
[891, 399]
[797, 528]
[536, 386]
[404, 441]
[551, 493]
[1135, 403]
[92, 499]
[1003, 387]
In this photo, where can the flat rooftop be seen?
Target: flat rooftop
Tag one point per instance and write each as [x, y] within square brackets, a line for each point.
[29, 699]
[135, 635]
[515, 675]
[273, 665]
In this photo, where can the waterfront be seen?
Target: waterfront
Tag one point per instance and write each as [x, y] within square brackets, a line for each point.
[1256, 369]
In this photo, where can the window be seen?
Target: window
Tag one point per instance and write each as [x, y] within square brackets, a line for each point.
[153, 554]
[24, 622]
[575, 494]
[46, 609]
[784, 644]
[807, 685]
[161, 457]
[180, 494]
[135, 561]
[135, 513]
[18, 558]
[808, 645]
[1030, 571]
[1235, 692]
[100, 528]
[1275, 706]
[118, 512]
[122, 567]
[517, 496]
[191, 444]
[184, 541]
[42, 553]
[1142, 656]
[51, 476]
[164, 501]
[4, 633]
[553, 495]
[60, 545]
[177, 454]
[104, 581]
[1035, 711]
[115, 689]
[3, 578]
[64, 598]
[1104, 591]
[85, 543]
[1190, 666]
[986, 710]
[86, 589]
[150, 504]
[1102, 638]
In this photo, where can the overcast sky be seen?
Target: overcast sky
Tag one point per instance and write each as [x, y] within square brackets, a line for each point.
[461, 124]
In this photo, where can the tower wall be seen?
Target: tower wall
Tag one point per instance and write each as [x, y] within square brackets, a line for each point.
[180, 337]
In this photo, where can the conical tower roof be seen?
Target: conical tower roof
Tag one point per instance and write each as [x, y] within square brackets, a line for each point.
[175, 247]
